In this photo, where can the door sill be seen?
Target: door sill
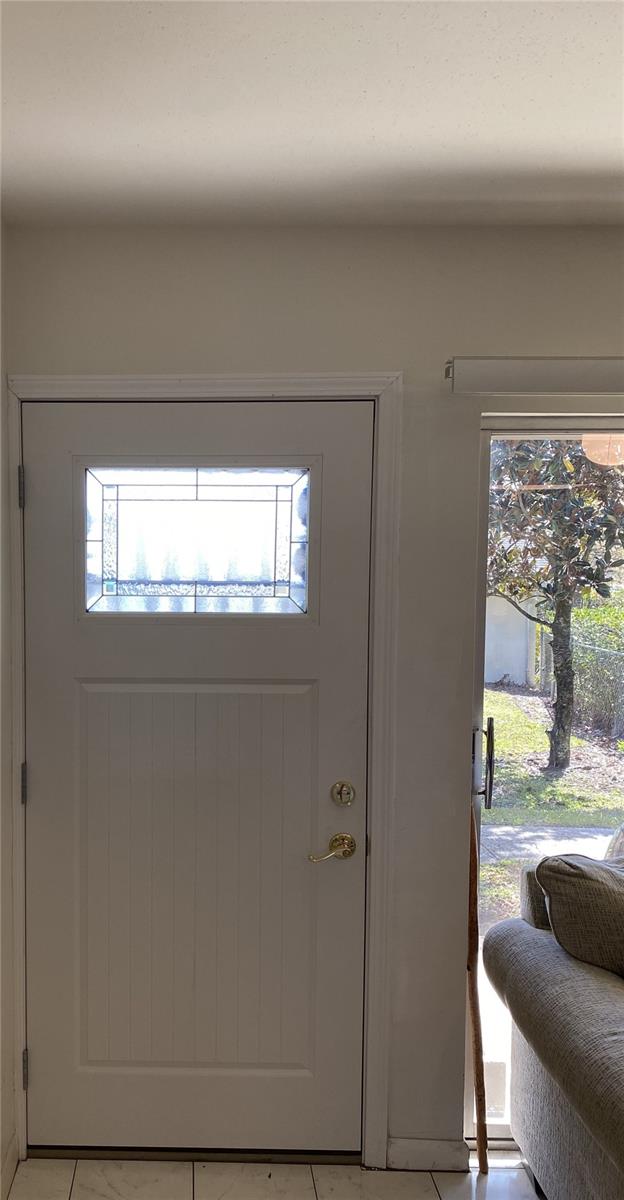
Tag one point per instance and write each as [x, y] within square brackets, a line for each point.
[150, 1154]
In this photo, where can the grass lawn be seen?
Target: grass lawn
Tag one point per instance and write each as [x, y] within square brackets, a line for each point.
[590, 792]
[499, 891]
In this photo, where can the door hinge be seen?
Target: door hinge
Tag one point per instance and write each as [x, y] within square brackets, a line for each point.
[25, 1069]
[367, 844]
[21, 488]
[24, 785]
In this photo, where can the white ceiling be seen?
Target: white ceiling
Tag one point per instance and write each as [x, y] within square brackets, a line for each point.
[307, 111]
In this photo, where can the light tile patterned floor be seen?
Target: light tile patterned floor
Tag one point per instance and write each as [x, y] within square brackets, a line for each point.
[351, 1183]
[90, 1179]
[102, 1180]
[49, 1177]
[251, 1181]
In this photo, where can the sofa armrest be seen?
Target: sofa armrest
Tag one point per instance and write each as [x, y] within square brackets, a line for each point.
[572, 1016]
[532, 900]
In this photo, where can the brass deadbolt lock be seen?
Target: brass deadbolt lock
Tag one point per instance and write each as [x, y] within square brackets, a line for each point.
[343, 793]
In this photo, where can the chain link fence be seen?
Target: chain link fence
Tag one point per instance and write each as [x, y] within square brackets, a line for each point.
[599, 687]
[599, 681]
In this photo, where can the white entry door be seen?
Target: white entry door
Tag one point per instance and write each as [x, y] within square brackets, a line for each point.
[197, 581]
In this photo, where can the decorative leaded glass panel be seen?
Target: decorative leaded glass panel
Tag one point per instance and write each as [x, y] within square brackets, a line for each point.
[197, 539]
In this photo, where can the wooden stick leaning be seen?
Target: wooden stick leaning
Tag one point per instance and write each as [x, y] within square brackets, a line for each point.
[473, 998]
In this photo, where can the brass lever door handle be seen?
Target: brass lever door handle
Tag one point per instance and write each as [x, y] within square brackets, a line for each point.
[342, 845]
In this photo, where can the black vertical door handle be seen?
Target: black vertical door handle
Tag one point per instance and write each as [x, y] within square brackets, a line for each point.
[489, 762]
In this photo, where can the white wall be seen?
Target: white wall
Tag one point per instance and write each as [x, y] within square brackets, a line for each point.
[509, 644]
[140, 300]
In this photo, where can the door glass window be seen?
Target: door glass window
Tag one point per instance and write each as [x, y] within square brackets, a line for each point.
[197, 539]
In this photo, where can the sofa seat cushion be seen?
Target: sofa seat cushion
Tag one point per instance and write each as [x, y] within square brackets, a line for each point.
[572, 1014]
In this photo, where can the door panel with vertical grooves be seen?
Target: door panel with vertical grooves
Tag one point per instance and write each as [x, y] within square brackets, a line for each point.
[171, 891]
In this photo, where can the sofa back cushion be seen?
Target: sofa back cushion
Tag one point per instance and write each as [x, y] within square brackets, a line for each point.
[585, 901]
[532, 900]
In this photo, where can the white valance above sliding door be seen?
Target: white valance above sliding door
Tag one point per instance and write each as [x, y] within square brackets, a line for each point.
[536, 376]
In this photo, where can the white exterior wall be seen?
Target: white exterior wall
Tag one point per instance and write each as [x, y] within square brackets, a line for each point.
[509, 644]
[191, 301]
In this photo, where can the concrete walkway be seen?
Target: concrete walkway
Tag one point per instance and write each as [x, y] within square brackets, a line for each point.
[538, 841]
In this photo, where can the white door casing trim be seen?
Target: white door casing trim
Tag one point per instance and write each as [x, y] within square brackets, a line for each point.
[427, 1154]
[7, 1167]
[386, 389]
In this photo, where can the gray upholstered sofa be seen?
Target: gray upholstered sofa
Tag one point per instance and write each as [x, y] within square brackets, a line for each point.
[567, 1102]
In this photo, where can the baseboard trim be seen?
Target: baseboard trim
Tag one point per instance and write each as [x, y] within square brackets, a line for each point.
[424, 1154]
[8, 1167]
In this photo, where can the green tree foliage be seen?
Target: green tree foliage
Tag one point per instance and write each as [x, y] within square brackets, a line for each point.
[556, 533]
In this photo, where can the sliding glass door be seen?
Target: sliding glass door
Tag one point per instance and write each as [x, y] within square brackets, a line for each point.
[550, 677]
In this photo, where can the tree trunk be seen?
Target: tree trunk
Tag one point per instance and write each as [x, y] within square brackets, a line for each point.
[564, 677]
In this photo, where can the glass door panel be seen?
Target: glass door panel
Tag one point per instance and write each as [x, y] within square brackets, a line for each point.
[554, 679]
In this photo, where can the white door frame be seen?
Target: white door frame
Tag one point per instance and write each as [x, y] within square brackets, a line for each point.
[527, 425]
[386, 390]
